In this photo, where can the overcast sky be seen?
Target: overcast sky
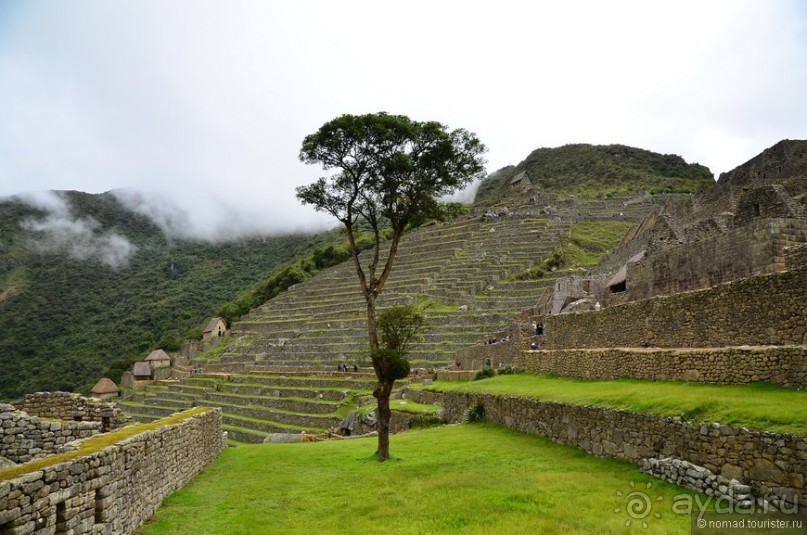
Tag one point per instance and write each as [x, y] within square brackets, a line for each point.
[204, 104]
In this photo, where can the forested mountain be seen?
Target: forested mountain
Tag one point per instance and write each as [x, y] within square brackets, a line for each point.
[89, 286]
[600, 171]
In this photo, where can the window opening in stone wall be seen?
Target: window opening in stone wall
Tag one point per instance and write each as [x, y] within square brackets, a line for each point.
[618, 288]
[757, 210]
[99, 509]
[61, 521]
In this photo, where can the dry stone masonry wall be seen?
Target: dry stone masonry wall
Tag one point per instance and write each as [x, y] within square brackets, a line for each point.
[764, 310]
[114, 490]
[700, 479]
[71, 406]
[754, 249]
[786, 366]
[24, 437]
[773, 465]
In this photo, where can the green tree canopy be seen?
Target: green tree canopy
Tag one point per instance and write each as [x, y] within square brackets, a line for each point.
[386, 171]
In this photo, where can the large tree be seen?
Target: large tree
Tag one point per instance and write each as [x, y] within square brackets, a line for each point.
[386, 171]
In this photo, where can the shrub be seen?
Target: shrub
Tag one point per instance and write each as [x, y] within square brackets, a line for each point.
[509, 370]
[484, 373]
[474, 414]
[422, 421]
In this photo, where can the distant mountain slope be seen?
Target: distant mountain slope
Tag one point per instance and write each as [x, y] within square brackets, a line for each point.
[598, 171]
[87, 287]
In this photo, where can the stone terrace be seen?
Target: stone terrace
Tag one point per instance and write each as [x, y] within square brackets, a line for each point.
[255, 405]
[462, 268]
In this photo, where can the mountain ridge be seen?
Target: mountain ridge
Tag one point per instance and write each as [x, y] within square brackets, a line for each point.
[72, 312]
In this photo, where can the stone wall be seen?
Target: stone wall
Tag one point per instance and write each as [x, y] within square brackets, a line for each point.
[796, 256]
[765, 310]
[24, 437]
[113, 490]
[786, 366]
[773, 465]
[700, 479]
[70, 406]
[473, 357]
[750, 250]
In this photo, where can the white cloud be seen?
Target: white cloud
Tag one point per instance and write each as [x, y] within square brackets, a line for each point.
[60, 232]
[205, 102]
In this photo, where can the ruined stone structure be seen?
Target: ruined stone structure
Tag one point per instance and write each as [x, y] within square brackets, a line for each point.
[743, 227]
[71, 406]
[24, 437]
[766, 310]
[114, 489]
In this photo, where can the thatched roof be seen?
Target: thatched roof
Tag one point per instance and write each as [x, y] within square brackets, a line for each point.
[105, 386]
[142, 369]
[211, 325]
[157, 354]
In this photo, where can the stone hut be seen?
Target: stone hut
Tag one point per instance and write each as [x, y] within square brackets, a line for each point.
[105, 388]
[158, 359]
[216, 327]
[142, 371]
[520, 181]
[160, 364]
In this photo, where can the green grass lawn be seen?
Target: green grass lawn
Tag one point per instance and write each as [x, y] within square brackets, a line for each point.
[475, 478]
[759, 406]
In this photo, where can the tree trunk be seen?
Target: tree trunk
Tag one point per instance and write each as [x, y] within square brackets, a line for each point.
[382, 394]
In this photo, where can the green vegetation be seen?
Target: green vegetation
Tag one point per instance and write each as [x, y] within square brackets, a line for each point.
[459, 479]
[588, 241]
[295, 273]
[759, 406]
[68, 322]
[586, 244]
[597, 171]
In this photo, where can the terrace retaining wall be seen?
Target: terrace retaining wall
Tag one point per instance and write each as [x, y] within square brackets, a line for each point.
[114, 490]
[773, 465]
[783, 365]
[763, 310]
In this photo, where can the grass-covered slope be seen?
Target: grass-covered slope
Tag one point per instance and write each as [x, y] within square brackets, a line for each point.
[599, 171]
[67, 322]
[458, 479]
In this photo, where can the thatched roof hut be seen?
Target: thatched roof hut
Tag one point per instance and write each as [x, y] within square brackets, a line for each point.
[141, 371]
[105, 388]
[158, 359]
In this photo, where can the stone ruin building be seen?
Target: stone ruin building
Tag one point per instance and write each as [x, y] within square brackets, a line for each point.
[748, 224]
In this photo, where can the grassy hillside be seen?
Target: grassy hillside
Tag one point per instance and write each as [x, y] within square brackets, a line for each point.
[600, 171]
[67, 322]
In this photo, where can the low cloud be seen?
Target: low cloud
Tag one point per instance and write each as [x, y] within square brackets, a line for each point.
[206, 217]
[82, 238]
